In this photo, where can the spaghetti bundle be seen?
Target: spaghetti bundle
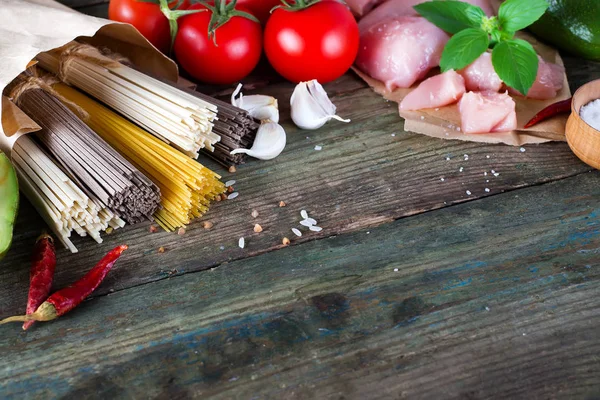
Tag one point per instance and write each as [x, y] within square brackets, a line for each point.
[188, 120]
[186, 186]
[59, 200]
[88, 159]
[174, 116]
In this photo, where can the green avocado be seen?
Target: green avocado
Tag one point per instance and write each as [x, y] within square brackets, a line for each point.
[572, 26]
[9, 203]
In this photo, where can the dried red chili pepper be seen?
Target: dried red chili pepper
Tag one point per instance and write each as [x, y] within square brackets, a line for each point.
[43, 264]
[70, 297]
[550, 111]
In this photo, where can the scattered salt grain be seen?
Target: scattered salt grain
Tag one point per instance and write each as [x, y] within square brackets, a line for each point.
[233, 196]
[395, 269]
[222, 247]
[242, 243]
[315, 228]
[304, 214]
[422, 117]
[297, 232]
[522, 150]
[487, 309]
[447, 158]
[466, 157]
[496, 174]
[487, 156]
[318, 148]
[254, 214]
[442, 179]
[487, 181]
[468, 192]
[229, 183]
[493, 172]
[461, 169]
[487, 190]
[590, 113]
[393, 134]
[485, 173]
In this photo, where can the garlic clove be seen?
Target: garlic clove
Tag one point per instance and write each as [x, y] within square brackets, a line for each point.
[269, 143]
[311, 108]
[258, 106]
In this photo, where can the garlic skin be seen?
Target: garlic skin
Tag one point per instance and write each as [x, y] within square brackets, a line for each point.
[269, 143]
[258, 106]
[311, 107]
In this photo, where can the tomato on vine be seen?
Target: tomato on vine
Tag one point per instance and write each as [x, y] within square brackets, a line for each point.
[221, 44]
[147, 18]
[311, 39]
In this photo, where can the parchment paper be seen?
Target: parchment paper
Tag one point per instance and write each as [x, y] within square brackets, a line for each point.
[29, 27]
[444, 122]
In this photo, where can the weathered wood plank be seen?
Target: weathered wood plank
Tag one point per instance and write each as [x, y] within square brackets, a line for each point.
[498, 298]
[84, 3]
[97, 10]
[362, 177]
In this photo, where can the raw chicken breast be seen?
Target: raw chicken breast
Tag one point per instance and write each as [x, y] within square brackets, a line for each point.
[401, 51]
[548, 82]
[481, 76]
[484, 112]
[437, 91]
[361, 7]
[392, 9]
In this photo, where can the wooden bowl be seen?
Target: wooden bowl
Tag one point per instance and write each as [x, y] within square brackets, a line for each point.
[584, 140]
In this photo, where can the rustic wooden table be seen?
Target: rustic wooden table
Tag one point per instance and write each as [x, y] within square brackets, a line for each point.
[414, 289]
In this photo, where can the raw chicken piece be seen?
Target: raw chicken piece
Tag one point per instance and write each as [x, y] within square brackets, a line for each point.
[507, 124]
[484, 112]
[361, 7]
[548, 82]
[392, 9]
[481, 76]
[400, 52]
[437, 91]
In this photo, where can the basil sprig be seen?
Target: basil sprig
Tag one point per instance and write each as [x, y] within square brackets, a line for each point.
[515, 61]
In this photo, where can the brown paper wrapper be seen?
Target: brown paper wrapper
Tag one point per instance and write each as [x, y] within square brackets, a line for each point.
[29, 27]
[445, 122]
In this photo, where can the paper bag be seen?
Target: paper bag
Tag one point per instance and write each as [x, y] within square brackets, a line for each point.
[29, 27]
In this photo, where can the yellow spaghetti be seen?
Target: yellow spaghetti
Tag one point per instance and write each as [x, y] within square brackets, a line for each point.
[187, 187]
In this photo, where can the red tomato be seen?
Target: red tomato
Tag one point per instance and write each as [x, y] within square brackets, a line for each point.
[318, 42]
[261, 9]
[146, 18]
[236, 53]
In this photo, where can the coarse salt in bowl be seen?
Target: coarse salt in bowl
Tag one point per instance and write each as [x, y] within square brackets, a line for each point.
[582, 137]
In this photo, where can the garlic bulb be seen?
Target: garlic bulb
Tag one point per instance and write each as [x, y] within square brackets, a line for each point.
[311, 107]
[258, 106]
[269, 143]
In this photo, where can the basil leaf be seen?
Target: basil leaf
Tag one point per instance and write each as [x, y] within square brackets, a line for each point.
[515, 15]
[516, 63]
[464, 48]
[451, 16]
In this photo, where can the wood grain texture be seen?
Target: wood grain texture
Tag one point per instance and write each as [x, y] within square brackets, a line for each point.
[497, 298]
[362, 177]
